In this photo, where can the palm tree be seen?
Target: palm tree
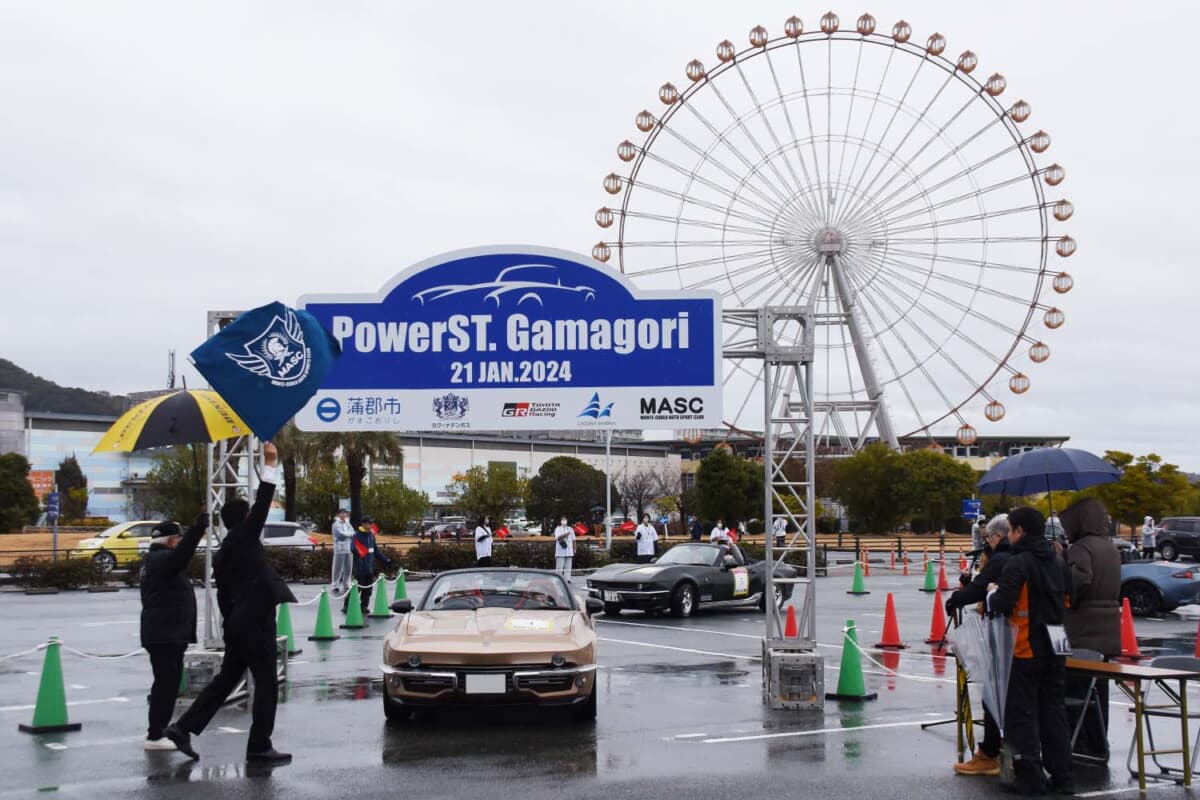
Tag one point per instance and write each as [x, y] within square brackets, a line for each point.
[296, 449]
[357, 449]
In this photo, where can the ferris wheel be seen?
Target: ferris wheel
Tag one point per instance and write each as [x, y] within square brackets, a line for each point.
[878, 184]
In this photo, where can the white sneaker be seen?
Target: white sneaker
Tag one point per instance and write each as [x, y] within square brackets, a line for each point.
[159, 744]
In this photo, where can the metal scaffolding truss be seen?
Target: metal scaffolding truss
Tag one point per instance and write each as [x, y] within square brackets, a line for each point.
[780, 337]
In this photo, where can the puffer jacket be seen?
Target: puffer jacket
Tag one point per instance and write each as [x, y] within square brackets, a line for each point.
[168, 602]
[1033, 589]
[1094, 616]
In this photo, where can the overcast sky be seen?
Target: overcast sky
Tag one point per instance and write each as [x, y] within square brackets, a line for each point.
[162, 159]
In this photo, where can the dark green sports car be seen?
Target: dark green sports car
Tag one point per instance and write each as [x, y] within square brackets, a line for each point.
[686, 577]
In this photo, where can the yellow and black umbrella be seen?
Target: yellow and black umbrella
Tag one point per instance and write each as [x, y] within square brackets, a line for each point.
[190, 416]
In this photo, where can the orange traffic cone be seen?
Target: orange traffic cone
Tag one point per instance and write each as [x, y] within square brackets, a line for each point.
[1129, 645]
[790, 629]
[943, 584]
[962, 562]
[892, 561]
[904, 562]
[1198, 640]
[891, 628]
[866, 560]
[937, 625]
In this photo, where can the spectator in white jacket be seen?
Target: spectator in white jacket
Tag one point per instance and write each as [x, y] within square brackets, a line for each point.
[343, 559]
[564, 548]
[646, 536]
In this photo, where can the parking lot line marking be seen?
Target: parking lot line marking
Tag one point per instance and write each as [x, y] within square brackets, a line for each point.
[72, 703]
[792, 734]
[668, 647]
[1126, 790]
[110, 622]
[690, 735]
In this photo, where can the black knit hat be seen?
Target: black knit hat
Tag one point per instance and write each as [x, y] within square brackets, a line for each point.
[164, 530]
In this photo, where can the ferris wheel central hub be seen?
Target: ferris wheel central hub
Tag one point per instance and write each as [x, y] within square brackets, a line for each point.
[829, 242]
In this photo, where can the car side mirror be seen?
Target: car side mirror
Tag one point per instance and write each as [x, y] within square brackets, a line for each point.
[401, 606]
[728, 562]
[593, 606]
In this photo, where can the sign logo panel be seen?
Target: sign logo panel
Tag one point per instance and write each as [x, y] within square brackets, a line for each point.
[523, 338]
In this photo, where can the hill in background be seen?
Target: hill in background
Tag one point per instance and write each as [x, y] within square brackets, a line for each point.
[43, 395]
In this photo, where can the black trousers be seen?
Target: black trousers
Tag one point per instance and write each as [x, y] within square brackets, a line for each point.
[483, 561]
[249, 645]
[166, 661]
[644, 559]
[364, 597]
[990, 745]
[1035, 721]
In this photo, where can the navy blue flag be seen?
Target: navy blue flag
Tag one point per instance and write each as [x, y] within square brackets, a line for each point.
[267, 364]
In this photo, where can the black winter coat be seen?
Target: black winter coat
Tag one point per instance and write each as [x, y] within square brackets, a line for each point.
[248, 588]
[168, 602]
[1047, 579]
[976, 590]
[364, 566]
[1094, 618]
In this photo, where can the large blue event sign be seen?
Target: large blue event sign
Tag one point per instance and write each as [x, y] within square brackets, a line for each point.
[517, 338]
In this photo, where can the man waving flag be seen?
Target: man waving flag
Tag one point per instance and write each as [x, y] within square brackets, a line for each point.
[267, 364]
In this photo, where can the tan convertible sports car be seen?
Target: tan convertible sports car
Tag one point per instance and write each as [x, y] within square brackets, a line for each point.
[492, 637]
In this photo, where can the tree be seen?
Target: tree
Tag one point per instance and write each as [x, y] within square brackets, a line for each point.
[357, 449]
[296, 449]
[869, 484]
[934, 485]
[319, 491]
[18, 503]
[564, 487]
[488, 491]
[174, 485]
[669, 487]
[638, 489]
[72, 488]
[1147, 486]
[393, 505]
[729, 487]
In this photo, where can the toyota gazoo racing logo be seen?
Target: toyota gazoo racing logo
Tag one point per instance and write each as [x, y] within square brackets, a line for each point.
[594, 410]
[530, 410]
[278, 353]
[450, 406]
[664, 408]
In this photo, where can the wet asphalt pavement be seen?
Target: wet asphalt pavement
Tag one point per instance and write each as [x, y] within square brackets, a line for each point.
[680, 715]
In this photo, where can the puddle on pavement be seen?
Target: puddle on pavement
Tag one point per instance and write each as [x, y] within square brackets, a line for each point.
[1167, 646]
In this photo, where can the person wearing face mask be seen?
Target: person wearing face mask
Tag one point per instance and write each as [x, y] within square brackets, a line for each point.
[564, 548]
[646, 536]
[483, 542]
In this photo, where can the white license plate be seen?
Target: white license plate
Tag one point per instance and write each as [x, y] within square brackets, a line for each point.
[485, 684]
[612, 597]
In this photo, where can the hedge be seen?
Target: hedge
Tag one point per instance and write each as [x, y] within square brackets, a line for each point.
[33, 572]
[297, 564]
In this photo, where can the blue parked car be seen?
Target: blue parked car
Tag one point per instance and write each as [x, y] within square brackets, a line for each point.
[1157, 586]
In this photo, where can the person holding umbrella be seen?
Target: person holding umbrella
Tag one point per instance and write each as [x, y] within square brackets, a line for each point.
[996, 550]
[248, 589]
[168, 623]
[1032, 591]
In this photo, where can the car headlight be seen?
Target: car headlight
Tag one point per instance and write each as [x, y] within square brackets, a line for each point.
[414, 661]
[558, 660]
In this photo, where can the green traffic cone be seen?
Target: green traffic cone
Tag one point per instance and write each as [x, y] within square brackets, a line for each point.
[380, 609]
[851, 685]
[930, 578]
[858, 586]
[283, 627]
[401, 587]
[324, 630]
[50, 712]
[354, 615]
[182, 682]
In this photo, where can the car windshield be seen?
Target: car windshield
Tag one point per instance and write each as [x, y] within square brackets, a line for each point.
[515, 589]
[695, 555]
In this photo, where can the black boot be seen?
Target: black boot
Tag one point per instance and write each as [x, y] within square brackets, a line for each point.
[182, 740]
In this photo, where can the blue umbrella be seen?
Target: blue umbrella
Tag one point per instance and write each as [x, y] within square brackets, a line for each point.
[1047, 470]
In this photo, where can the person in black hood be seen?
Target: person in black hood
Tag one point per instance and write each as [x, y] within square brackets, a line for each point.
[168, 622]
[996, 550]
[1033, 590]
